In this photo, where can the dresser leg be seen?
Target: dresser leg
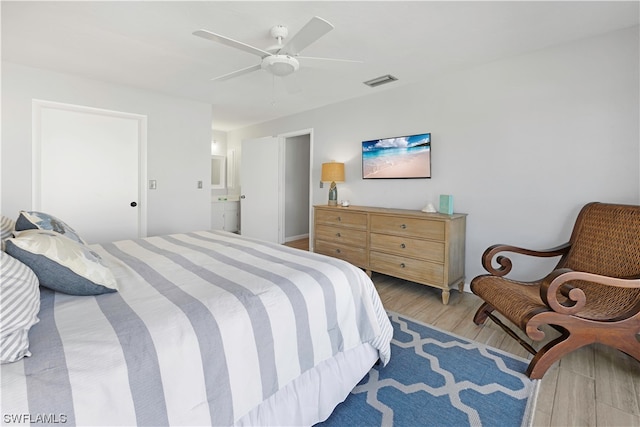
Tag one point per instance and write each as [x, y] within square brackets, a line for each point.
[369, 273]
[445, 296]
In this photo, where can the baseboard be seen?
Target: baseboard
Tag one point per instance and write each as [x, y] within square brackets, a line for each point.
[298, 237]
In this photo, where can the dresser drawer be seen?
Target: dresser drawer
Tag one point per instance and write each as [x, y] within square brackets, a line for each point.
[342, 218]
[407, 246]
[345, 236]
[408, 268]
[356, 256]
[414, 227]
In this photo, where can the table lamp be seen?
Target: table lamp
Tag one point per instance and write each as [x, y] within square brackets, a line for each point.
[333, 172]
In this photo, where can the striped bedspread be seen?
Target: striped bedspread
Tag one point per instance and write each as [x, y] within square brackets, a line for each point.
[205, 327]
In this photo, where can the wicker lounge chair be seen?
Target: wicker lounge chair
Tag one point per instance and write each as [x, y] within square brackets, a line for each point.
[592, 295]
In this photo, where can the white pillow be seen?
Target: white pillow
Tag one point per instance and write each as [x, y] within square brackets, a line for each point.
[19, 308]
[62, 264]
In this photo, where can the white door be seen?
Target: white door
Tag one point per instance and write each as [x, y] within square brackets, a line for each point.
[89, 171]
[260, 181]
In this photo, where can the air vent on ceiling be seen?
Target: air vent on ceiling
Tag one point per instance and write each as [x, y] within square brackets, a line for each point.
[381, 80]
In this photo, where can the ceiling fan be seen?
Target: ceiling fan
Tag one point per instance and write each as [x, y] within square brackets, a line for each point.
[280, 59]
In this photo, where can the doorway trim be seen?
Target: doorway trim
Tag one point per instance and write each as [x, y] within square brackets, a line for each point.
[38, 105]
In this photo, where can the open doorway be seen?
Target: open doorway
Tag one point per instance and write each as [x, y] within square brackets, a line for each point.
[297, 195]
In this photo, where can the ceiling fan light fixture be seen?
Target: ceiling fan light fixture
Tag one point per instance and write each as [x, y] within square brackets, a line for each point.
[280, 65]
[279, 60]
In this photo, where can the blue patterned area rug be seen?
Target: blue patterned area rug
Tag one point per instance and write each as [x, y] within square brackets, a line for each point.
[435, 378]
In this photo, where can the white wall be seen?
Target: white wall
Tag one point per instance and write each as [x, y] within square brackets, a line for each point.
[521, 143]
[178, 142]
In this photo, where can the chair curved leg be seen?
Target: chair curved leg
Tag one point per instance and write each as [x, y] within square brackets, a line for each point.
[625, 342]
[628, 347]
[552, 352]
[481, 315]
[578, 333]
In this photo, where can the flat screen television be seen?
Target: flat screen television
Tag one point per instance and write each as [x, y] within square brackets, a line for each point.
[399, 157]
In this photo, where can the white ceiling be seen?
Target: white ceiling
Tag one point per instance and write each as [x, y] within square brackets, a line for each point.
[149, 44]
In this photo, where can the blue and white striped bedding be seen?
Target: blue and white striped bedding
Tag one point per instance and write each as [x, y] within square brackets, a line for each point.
[205, 327]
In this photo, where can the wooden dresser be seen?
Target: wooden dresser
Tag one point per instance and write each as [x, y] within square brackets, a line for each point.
[426, 248]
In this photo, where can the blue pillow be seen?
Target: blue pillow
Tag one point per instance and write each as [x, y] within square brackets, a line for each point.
[62, 264]
[31, 220]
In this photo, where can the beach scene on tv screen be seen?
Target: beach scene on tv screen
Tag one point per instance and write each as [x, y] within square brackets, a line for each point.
[402, 157]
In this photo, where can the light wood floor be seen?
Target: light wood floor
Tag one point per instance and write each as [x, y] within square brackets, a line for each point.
[593, 386]
[299, 244]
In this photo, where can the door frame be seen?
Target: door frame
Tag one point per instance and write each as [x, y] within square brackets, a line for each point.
[36, 151]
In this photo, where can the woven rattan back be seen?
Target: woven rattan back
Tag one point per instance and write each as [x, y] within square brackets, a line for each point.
[606, 241]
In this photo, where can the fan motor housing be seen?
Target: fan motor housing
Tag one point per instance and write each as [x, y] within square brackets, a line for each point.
[280, 65]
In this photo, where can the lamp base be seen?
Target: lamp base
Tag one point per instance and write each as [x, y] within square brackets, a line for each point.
[333, 194]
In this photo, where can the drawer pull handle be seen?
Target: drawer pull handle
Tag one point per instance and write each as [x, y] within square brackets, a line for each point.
[403, 226]
[402, 265]
[337, 234]
[402, 245]
[338, 251]
[339, 218]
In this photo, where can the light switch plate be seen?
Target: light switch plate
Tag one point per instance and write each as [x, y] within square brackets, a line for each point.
[153, 184]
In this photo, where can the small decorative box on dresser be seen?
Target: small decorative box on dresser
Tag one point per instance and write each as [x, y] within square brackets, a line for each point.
[426, 248]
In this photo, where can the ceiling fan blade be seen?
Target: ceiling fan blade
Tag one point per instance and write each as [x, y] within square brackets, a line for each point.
[330, 59]
[231, 43]
[237, 73]
[312, 31]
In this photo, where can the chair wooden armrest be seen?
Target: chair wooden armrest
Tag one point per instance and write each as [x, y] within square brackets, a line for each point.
[557, 281]
[506, 264]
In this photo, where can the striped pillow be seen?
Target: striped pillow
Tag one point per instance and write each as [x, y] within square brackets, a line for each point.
[19, 307]
[7, 226]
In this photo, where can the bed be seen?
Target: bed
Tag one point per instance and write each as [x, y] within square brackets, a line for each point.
[206, 328]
